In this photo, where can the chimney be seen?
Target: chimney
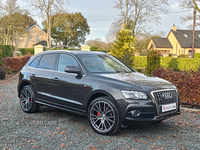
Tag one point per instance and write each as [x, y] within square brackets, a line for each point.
[174, 27]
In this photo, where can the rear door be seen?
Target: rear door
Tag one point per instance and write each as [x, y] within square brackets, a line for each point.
[41, 77]
[67, 89]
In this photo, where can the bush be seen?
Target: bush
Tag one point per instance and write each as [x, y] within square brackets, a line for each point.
[15, 63]
[140, 62]
[1, 57]
[187, 83]
[177, 64]
[183, 56]
[153, 61]
[7, 50]
[181, 64]
[27, 51]
[123, 47]
[196, 55]
[2, 74]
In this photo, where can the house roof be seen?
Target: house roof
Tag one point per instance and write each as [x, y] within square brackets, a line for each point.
[162, 42]
[29, 28]
[184, 37]
[43, 43]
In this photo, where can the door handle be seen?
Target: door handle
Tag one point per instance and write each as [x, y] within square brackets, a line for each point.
[55, 79]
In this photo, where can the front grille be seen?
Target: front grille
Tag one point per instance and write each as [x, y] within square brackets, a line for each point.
[164, 97]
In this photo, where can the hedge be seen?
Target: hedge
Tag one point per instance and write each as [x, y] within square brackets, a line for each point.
[187, 83]
[7, 50]
[177, 64]
[140, 62]
[15, 63]
[196, 55]
[27, 51]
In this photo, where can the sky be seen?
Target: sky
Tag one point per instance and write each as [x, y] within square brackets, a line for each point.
[100, 14]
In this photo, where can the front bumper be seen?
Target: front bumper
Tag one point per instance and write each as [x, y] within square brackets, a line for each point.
[148, 112]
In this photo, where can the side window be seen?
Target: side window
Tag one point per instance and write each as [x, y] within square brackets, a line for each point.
[48, 62]
[35, 62]
[66, 60]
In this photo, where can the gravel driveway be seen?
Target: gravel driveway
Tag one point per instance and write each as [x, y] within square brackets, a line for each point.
[54, 129]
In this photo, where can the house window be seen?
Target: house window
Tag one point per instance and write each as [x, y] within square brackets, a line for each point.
[31, 38]
[185, 35]
[38, 39]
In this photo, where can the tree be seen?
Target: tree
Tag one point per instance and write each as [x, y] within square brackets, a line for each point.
[69, 28]
[138, 14]
[11, 7]
[123, 47]
[13, 22]
[153, 61]
[195, 5]
[142, 42]
[189, 6]
[47, 7]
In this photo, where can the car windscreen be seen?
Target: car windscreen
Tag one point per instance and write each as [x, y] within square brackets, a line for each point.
[103, 63]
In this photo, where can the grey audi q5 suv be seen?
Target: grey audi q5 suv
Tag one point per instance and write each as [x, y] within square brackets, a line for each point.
[96, 85]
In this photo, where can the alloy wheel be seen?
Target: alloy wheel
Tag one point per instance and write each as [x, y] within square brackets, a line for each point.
[26, 99]
[102, 116]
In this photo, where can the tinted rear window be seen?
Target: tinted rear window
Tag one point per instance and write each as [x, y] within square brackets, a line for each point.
[35, 62]
[48, 62]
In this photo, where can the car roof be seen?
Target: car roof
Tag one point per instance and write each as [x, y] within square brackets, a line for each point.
[71, 51]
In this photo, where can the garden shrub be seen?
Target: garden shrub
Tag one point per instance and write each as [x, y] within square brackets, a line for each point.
[196, 55]
[7, 50]
[187, 83]
[140, 62]
[177, 64]
[2, 74]
[153, 61]
[27, 51]
[183, 56]
[181, 64]
[1, 57]
[15, 63]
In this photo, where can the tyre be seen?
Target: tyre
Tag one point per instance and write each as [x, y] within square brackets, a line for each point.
[27, 101]
[157, 122]
[103, 116]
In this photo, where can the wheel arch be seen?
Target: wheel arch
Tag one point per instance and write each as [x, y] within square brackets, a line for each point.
[100, 93]
[24, 83]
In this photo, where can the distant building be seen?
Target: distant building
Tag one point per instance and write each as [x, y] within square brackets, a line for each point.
[33, 36]
[177, 42]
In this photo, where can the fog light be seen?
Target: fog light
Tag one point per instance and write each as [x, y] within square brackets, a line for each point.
[135, 113]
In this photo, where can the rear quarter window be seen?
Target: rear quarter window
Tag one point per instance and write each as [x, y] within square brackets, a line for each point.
[48, 62]
[35, 62]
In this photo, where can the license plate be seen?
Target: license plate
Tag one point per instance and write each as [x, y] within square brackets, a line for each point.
[168, 107]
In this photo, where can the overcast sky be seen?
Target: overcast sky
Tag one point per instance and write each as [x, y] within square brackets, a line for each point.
[100, 15]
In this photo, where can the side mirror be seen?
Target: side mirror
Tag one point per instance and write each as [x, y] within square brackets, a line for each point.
[73, 69]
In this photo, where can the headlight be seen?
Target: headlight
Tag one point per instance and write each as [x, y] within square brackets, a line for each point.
[134, 94]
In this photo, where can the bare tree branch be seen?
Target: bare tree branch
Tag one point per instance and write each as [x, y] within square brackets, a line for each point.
[49, 7]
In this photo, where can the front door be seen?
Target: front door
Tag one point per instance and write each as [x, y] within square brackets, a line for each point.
[67, 89]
